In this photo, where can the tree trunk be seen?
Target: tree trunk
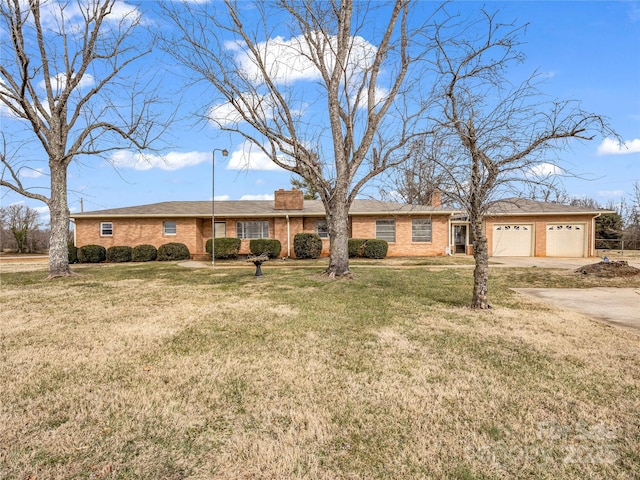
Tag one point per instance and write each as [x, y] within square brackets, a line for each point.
[338, 226]
[58, 248]
[481, 271]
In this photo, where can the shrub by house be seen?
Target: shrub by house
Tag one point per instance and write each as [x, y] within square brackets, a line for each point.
[269, 246]
[307, 245]
[225, 248]
[92, 254]
[144, 253]
[173, 251]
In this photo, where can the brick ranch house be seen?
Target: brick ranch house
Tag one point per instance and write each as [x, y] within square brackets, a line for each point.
[515, 227]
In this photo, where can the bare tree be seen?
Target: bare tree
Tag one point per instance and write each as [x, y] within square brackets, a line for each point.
[420, 178]
[320, 87]
[22, 221]
[496, 137]
[64, 83]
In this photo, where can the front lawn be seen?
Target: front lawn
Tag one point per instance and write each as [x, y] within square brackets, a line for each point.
[156, 371]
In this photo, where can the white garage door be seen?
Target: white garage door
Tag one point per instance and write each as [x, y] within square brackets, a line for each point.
[566, 239]
[513, 240]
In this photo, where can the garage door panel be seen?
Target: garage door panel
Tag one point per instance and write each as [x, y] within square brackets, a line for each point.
[512, 240]
[566, 240]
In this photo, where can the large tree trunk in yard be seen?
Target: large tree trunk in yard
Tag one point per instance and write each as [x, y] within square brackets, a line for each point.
[338, 226]
[58, 249]
[481, 271]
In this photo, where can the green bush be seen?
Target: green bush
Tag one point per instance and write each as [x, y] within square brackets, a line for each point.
[118, 254]
[356, 247]
[73, 253]
[144, 253]
[92, 254]
[367, 248]
[225, 247]
[374, 248]
[173, 251]
[270, 246]
[307, 245]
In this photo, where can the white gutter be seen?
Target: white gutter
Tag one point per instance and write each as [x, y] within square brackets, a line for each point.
[75, 230]
[447, 250]
[288, 237]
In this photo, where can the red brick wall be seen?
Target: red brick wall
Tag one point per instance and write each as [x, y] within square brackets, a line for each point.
[194, 233]
[310, 227]
[365, 227]
[138, 231]
[288, 200]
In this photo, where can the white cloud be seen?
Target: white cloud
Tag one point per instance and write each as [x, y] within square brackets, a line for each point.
[27, 172]
[253, 105]
[5, 111]
[59, 82]
[73, 14]
[545, 170]
[611, 193]
[288, 61]
[265, 196]
[609, 146]
[249, 157]
[170, 161]
[44, 212]
[222, 198]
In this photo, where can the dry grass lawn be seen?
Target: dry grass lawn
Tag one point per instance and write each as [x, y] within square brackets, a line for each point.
[157, 371]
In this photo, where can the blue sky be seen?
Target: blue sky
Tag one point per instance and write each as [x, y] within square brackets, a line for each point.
[589, 51]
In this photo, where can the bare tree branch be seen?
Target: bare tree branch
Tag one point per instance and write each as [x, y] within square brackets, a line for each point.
[315, 86]
[80, 62]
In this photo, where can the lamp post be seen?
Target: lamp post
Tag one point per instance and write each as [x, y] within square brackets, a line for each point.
[224, 152]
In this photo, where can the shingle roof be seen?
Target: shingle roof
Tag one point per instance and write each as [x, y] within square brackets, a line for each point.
[257, 208]
[522, 206]
[265, 208]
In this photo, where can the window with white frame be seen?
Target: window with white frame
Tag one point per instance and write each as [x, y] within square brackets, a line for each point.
[169, 227]
[421, 230]
[106, 229]
[221, 229]
[256, 229]
[321, 229]
[386, 230]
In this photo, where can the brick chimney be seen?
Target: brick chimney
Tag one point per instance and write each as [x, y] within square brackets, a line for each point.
[436, 199]
[288, 199]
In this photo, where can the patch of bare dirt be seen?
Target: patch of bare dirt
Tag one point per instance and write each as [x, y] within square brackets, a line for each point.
[609, 269]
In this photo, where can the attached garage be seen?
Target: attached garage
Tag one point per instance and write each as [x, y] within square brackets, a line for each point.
[566, 239]
[512, 240]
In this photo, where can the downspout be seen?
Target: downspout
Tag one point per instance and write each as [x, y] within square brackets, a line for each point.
[75, 230]
[288, 237]
[447, 249]
[592, 250]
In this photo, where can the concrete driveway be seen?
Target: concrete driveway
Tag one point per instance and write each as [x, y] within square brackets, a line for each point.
[548, 262]
[616, 306]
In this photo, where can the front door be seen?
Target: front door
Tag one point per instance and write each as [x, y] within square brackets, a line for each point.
[460, 239]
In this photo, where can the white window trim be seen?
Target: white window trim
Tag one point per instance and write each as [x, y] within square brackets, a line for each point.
[242, 235]
[394, 229]
[325, 234]
[164, 228]
[430, 230]
[102, 229]
[224, 224]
